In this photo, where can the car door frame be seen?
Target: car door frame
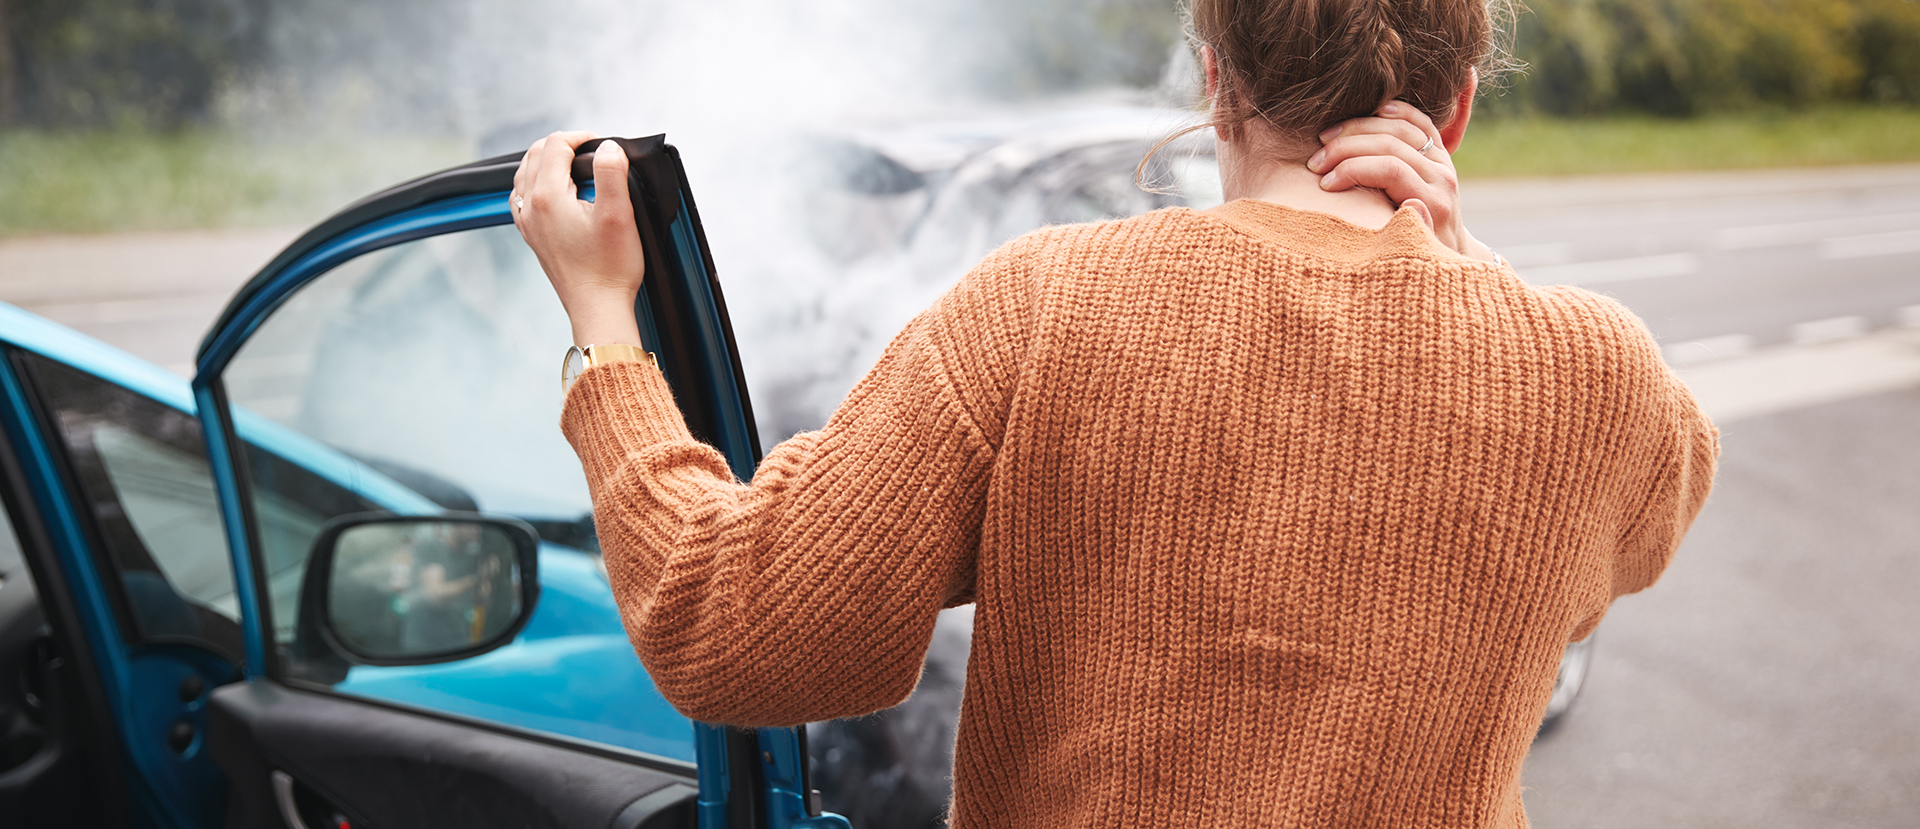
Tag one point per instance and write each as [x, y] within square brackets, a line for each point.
[771, 763]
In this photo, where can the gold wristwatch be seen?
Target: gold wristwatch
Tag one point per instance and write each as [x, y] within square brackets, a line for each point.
[580, 359]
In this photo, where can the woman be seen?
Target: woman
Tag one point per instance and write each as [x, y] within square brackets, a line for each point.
[1278, 513]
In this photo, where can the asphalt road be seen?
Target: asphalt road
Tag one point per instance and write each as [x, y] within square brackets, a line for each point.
[1772, 677]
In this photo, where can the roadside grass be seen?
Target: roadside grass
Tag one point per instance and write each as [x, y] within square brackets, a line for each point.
[1519, 146]
[124, 180]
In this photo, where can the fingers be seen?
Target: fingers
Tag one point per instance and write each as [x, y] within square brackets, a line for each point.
[611, 201]
[1403, 111]
[553, 177]
[1350, 147]
[1387, 173]
[523, 182]
[523, 176]
[1402, 131]
[1396, 118]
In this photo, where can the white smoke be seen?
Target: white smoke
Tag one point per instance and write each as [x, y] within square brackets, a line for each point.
[738, 86]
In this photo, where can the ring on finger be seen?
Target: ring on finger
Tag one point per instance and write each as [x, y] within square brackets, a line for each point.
[1427, 146]
[520, 203]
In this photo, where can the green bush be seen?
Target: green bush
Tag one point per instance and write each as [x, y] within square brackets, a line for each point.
[121, 63]
[1686, 57]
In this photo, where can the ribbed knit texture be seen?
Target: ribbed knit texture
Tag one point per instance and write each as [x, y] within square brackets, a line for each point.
[1270, 520]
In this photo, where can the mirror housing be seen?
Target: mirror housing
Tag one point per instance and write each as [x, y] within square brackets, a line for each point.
[386, 589]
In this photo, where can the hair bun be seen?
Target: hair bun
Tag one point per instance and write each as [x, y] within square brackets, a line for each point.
[1304, 65]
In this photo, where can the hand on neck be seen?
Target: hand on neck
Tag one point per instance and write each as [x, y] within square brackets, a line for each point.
[1256, 164]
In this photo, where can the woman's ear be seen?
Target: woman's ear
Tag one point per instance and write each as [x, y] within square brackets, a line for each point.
[1456, 129]
[1211, 67]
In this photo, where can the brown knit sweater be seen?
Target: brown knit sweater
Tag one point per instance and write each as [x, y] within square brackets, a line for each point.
[1269, 520]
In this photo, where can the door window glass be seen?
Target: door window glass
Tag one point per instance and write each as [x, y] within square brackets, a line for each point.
[426, 377]
[141, 467]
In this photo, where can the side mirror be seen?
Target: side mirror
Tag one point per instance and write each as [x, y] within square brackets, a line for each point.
[384, 589]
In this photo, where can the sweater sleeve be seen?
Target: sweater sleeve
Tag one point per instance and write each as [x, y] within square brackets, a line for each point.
[811, 592]
[1685, 449]
[1668, 461]
[1659, 455]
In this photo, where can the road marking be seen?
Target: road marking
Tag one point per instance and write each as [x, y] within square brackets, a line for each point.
[1693, 352]
[1806, 233]
[1614, 270]
[1827, 330]
[1533, 256]
[1874, 244]
[1794, 376]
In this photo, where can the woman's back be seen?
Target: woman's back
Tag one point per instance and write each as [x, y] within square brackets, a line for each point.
[1290, 520]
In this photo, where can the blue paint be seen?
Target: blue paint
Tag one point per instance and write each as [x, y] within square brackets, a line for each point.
[194, 785]
[31, 332]
[785, 792]
[256, 629]
[710, 741]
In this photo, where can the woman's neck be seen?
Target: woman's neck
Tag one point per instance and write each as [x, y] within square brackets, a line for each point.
[1257, 175]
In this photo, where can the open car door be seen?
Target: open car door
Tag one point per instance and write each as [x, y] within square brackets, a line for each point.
[402, 359]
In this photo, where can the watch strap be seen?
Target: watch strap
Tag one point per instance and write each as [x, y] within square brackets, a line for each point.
[579, 359]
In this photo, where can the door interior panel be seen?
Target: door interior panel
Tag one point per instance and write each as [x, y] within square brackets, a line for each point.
[47, 774]
[382, 768]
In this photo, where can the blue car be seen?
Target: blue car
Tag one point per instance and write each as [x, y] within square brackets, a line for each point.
[348, 575]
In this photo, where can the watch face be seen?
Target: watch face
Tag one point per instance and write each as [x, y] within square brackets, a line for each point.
[575, 363]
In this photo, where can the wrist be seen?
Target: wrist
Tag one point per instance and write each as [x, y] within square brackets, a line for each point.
[608, 320]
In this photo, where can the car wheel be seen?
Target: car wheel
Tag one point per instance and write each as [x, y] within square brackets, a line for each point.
[1566, 685]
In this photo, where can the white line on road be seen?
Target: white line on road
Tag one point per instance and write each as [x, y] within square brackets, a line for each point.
[1875, 244]
[1806, 233]
[1793, 376]
[1614, 270]
[1827, 330]
[1541, 255]
[1693, 352]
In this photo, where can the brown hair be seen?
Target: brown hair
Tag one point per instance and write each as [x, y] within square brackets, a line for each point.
[1304, 65]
